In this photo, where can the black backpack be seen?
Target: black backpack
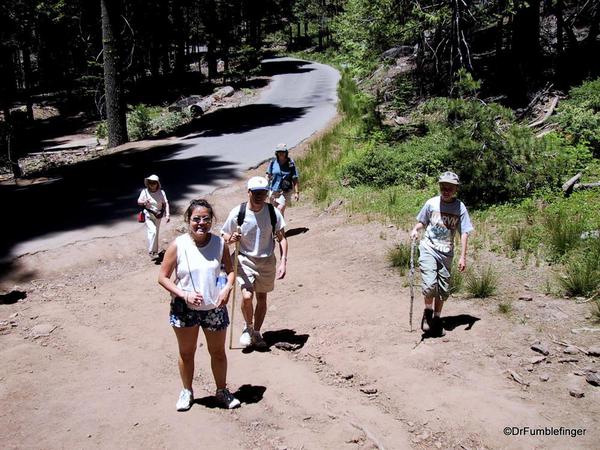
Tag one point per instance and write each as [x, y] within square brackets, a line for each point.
[242, 215]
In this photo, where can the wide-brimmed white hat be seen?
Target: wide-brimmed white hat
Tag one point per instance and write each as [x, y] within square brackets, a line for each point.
[258, 184]
[151, 178]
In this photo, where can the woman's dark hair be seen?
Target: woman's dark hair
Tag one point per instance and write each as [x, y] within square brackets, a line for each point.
[200, 202]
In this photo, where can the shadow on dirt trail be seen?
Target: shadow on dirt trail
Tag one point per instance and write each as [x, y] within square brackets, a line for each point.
[247, 394]
[449, 323]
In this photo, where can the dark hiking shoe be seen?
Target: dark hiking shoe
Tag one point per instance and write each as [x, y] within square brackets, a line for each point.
[426, 320]
[437, 328]
[257, 340]
[226, 399]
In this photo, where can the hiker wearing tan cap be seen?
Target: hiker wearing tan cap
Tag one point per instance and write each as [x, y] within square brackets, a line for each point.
[441, 217]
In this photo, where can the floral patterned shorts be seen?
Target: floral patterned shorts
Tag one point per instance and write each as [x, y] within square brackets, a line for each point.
[212, 320]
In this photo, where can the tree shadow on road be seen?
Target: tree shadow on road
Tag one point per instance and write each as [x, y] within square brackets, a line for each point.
[102, 191]
[241, 120]
[277, 66]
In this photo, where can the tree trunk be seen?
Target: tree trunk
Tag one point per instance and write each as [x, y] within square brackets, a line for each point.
[27, 80]
[113, 84]
[526, 35]
[211, 58]
[178, 26]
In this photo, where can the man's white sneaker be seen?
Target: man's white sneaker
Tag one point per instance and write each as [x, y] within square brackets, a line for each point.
[245, 338]
[257, 340]
[186, 398]
[226, 399]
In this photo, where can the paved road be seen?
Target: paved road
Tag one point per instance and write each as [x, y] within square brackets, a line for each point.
[97, 199]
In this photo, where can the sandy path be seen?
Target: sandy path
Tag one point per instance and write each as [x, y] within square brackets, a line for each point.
[106, 377]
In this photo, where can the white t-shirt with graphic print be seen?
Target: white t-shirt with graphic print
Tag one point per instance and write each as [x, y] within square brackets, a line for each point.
[442, 220]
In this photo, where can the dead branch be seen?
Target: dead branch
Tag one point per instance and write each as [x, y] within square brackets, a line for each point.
[534, 101]
[567, 344]
[551, 109]
[547, 129]
[369, 435]
[515, 376]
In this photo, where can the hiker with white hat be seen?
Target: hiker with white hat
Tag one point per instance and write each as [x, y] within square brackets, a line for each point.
[441, 217]
[156, 206]
[256, 225]
[282, 174]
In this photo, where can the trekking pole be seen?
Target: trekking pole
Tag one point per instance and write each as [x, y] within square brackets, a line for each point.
[412, 280]
[235, 270]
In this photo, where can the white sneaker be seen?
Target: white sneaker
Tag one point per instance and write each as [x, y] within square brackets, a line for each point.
[257, 340]
[186, 398]
[245, 338]
[226, 399]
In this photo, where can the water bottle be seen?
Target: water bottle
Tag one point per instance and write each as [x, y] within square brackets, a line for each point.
[222, 278]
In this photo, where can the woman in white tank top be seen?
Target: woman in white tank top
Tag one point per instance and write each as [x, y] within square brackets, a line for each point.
[196, 301]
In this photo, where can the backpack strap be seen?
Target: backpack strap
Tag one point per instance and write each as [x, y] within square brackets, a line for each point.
[241, 214]
[273, 217]
[271, 166]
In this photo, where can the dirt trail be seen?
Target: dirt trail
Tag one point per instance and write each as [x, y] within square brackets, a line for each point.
[106, 376]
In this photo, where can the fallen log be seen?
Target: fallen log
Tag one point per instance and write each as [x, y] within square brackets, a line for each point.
[587, 185]
[226, 91]
[184, 103]
[199, 108]
[568, 186]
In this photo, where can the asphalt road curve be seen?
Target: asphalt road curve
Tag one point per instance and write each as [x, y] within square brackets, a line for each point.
[97, 199]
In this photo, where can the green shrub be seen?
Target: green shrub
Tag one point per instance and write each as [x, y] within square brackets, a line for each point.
[456, 280]
[482, 284]
[139, 123]
[497, 159]
[169, 122]
[581, 277]
[399, 257]
[579, 115]
[505, 307]
[514, 237]
[596, 310]
[321, 190]
[415, 162]
[102, 130]
[563, 231]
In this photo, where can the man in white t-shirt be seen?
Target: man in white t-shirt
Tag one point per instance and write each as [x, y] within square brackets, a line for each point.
[260, 223]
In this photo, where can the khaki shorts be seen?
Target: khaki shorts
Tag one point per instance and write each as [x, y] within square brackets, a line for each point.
[283, 198]
[256, 274]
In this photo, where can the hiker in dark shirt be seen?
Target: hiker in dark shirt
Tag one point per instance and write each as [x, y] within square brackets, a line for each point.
[282, 174]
